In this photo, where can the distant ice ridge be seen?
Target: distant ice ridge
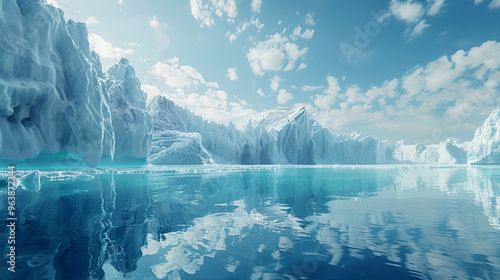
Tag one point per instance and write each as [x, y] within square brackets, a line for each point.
[451, 151]
[54, 105]
[278, 136]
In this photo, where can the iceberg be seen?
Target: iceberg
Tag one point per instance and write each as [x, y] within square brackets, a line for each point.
[171, 143]
[131, 122]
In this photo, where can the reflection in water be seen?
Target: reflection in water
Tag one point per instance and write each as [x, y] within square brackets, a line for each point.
[284, 223]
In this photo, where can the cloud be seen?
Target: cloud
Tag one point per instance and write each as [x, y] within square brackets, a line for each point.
[120, 2]
[309, 19]
[273, 53]
[203, 11]
[212, 105]
[284, 96]
[243, 26]
[326, 100]
[408, 11]
[105, 49]
[231, 74]
[307, 88]
[178, 76]
[451, 94]
[494, 4]
[259, 92]
[434, 7]
[302, 66]
[91, 20]
[256, 4]
[416, 31]
[133, 44]
[275, 83]
[308, 33]
[154, 23]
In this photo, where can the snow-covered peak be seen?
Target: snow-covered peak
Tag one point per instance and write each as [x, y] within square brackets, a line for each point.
[121, 71]
[274, 119]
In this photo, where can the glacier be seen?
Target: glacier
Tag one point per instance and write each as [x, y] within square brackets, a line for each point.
[172, 144]
[54, 104]
[485, 146]
[131, 121]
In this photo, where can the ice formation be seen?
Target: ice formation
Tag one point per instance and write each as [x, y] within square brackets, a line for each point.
[485, 146]
[131, 122]
[54, 105]
[172, 144]
[451, 151]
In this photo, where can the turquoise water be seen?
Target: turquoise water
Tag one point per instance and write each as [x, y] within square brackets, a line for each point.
[365, 222]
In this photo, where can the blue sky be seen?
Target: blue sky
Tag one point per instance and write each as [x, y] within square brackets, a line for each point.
[420, 70]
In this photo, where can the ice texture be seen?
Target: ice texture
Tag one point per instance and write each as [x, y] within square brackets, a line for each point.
[131, 122]
[54, 104]
[485, 146]
[451, 151]
[172, 144]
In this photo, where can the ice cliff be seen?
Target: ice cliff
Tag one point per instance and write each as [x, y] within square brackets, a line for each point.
[172, 143]
[485, 146]
[54, 104]
[278, 136]
[131, 122]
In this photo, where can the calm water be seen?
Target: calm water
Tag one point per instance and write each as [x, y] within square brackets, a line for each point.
[258, 223]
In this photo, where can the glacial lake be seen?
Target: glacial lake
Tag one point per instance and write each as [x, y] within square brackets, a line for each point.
[256, 222]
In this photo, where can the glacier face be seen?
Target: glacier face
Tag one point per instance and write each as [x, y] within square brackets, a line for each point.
[55, 105]
[450, 151]
[171, 143]
[278, 136]
[131, 122]
[485, 146]
[53, 101]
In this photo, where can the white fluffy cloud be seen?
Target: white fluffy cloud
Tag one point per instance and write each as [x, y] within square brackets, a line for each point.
[260, 92]
[408, 11]
[284, 96]
[231, 74]
[105, 49]
[307, 34]
[439, 96]
[275, 83]
[273, 53]
[91, 20]
[302, 66]
[179, 76]
[494, 4]
[256, 4]
[203, 11]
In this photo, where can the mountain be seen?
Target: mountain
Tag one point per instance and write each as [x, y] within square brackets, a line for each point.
[55, 108]
[485, 146]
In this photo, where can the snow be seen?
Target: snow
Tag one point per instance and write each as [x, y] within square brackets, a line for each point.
[171, 143]
[131, 122]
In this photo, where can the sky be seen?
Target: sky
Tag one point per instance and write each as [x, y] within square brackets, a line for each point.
[418, 70]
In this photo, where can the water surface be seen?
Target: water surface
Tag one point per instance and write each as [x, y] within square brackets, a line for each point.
[363, 222]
